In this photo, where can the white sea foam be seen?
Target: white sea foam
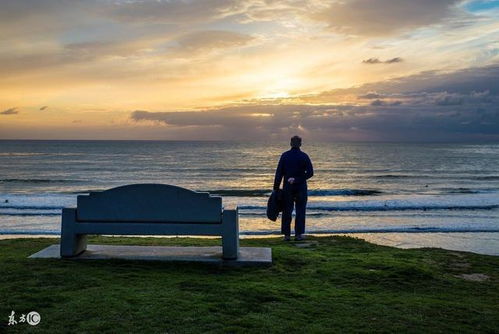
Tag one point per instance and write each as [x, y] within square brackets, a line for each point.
[51, 203]
[36, 202]
[401, 202]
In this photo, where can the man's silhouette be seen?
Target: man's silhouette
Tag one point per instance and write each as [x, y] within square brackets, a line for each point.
[296, 168]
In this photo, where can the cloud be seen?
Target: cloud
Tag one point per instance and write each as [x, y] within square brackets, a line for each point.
[211, 39]
[180, 12]
[10, 111]
[72, 42]
[372, 61]
[393, 60]
[378, 102]
[480, 83]
[127, 11]
[377, 61]
[370, 95]
[446, 99]
[329, 122]
[237, 117]
[396, 112]
[476, 79]
[383, 17]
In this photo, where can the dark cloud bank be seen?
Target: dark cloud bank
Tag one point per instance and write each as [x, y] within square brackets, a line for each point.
[431, 106]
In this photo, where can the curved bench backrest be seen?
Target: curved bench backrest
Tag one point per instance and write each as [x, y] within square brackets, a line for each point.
[149, 203]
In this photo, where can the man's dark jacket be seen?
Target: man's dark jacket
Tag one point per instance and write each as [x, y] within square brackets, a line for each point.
[275, 205]
[293, 163]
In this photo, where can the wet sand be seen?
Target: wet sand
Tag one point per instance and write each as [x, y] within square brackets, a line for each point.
[476, 242]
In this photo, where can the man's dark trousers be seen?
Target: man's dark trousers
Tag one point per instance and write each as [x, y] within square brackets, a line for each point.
[294, 195]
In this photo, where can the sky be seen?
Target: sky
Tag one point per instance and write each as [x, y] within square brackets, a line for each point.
[337, 70]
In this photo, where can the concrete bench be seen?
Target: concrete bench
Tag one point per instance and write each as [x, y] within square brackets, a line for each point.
[148, 209]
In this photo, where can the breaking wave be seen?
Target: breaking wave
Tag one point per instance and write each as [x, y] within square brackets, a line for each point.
[312, 192]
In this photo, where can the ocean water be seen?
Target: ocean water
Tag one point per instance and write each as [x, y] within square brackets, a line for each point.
[357, 187]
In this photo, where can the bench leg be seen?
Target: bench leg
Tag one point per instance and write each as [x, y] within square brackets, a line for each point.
[230, 234]
[72, 244]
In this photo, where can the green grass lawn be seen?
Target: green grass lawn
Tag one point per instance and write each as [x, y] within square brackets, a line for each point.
[335, 284]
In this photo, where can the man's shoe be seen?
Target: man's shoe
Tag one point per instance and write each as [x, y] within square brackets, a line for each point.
[287, 238]
[299, 237]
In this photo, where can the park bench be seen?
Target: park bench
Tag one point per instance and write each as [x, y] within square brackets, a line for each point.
[148, 209]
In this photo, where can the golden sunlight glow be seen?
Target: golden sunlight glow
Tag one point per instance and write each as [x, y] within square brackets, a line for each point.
[278, 87]
[91, 66]
[261, 115]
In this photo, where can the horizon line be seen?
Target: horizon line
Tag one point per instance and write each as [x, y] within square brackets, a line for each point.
[470, 141]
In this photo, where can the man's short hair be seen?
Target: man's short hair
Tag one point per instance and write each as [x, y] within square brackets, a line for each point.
[295, 141]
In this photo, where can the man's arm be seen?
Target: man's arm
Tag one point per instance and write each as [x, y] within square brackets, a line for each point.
[278, 174]
[310, 169]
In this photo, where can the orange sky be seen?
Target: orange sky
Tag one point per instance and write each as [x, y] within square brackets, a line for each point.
[73, 69]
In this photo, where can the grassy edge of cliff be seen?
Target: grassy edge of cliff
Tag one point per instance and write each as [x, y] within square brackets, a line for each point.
[326, 284]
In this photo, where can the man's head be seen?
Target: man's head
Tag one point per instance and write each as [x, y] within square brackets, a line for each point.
[295, 141]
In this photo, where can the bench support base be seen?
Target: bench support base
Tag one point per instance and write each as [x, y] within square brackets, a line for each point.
[72, 244]
[248, 256]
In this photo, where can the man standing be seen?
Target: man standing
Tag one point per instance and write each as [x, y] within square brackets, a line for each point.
[296, 168]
